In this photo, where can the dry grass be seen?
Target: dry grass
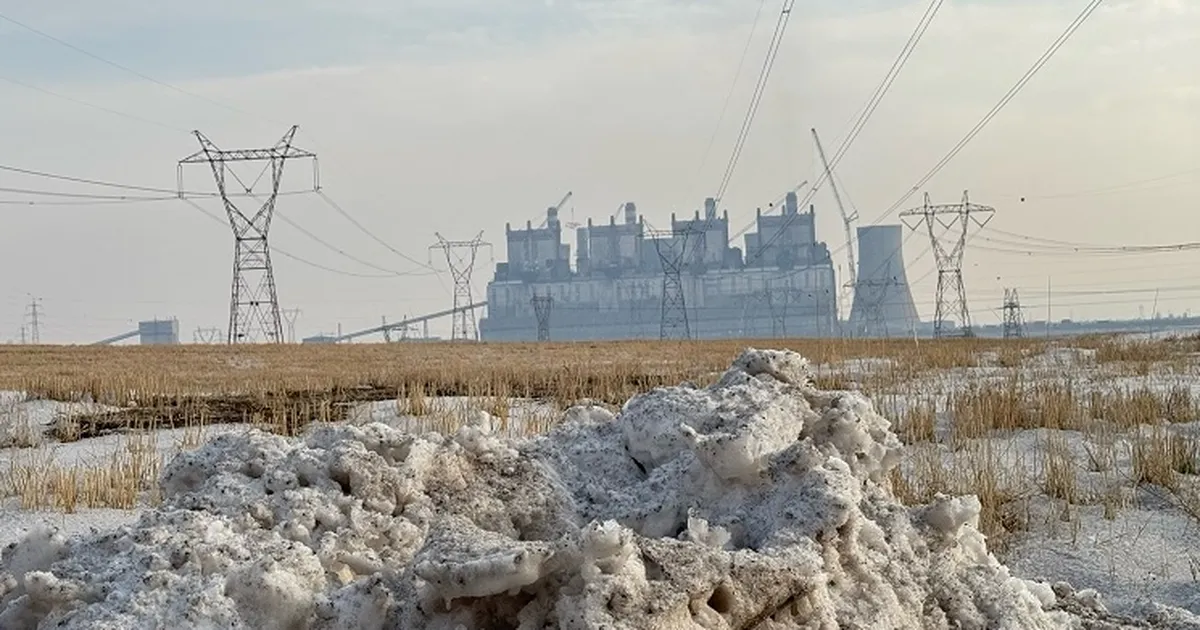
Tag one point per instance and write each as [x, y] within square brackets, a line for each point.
[1161, 456]
[121, 480]
[284, 388]
[610, 371]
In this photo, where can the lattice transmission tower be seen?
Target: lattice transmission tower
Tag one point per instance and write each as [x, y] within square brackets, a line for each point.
[671, 246]
[872, 295]
[254, 303]
[543, 305]
[955, 219]
[34, 313]
[461, 267]
[290, 315]
[206, 335]
[1014, 316]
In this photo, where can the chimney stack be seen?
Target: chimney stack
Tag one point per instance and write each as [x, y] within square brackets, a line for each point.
[792, 204]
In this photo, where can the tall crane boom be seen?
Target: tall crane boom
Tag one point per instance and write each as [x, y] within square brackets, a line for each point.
[847, 219]
[558, 206]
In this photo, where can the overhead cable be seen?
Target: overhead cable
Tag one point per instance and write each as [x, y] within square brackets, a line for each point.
[102, 108]
[998, 107]
[759, 89]
[881, 91]
[114, 64]
[333, 204]
[285, 254]
[733, 87]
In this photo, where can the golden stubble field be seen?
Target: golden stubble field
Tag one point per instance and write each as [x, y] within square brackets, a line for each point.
[945, 398]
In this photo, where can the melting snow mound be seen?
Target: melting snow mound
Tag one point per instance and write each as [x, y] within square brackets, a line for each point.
[757, 503]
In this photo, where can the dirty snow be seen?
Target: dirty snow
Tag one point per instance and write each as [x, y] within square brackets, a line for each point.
[514, 417]
[758, 502]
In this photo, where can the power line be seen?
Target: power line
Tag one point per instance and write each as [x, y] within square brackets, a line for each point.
[115, 64]
[102, 108]
[756, 99]
[167, 85]
[733, 87]
[371, 234]
[342, 252]
[1137, 185]
[93, 199]
[886, 85]
[337, 249]
[275, 250]
[96, 182]
[93, 202]
[868, 110]
[47, 193]
[996, 109]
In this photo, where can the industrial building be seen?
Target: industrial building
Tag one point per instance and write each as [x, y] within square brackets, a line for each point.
[781, 282]
[154, 332]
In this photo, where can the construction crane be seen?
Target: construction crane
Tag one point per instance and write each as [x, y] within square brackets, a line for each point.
[559, 206]
[847, 219]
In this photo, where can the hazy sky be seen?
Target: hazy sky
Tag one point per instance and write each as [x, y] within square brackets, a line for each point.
[456, 116]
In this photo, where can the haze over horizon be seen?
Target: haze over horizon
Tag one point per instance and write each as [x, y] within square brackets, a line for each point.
[457, 116]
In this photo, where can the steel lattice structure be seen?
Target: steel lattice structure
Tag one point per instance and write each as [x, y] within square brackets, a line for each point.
[672, 249]
[543, 305]
[1014, 318]
[873, 295]
[957, 219]
[254, 302]
[461, 268]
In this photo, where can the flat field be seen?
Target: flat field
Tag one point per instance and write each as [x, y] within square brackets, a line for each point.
[1084, 452]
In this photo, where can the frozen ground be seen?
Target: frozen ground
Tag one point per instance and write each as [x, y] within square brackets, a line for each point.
[511, 418]
[26, 422]
[758, 502]
[101, 453]
[752, 504]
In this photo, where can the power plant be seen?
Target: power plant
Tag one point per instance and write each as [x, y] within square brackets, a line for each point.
[154, 332]
[620, 282]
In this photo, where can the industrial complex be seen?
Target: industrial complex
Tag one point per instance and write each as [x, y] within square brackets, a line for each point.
[780, 281]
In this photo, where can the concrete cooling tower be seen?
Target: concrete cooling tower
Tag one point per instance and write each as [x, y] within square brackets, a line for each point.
[883, 304]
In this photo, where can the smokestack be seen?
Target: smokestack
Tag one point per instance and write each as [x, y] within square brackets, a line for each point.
[710, 208]
[792, 204]
[630, 213]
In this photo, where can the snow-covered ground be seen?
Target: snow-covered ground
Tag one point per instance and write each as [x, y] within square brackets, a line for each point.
[511, 417]
[368, 525]
[107, 453]
[25, 422]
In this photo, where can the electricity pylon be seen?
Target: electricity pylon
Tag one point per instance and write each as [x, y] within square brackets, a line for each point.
[206, 335]
[872, 296]
[290, 316]
[1014, 317]
[956, 219]
[34, 312]
[672, 247]
[461, 268]
[254, 303]
[542, 307]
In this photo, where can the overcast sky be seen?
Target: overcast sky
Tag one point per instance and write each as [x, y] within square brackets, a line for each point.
[455, 116]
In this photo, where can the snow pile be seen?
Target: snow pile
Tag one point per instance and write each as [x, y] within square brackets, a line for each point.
[759, 502]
